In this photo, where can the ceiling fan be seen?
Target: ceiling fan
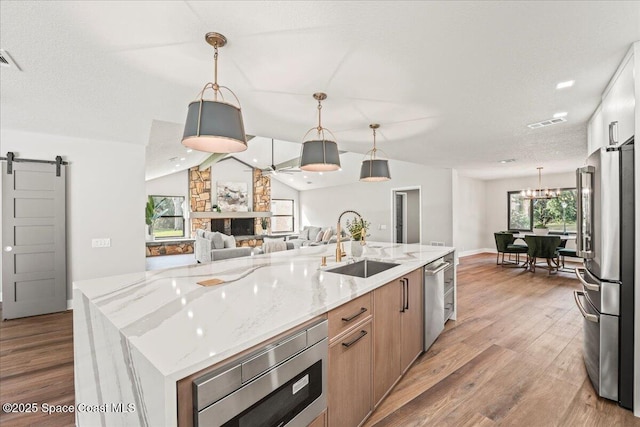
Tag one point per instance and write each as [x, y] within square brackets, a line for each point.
[288, 167]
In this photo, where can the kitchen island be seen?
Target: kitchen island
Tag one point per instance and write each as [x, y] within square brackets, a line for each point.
[136, 335]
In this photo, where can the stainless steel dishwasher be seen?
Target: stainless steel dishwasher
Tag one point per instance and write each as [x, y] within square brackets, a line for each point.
[435, 314]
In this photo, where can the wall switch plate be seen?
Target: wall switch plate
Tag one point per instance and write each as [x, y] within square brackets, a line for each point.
[383, 227]
[101, 243]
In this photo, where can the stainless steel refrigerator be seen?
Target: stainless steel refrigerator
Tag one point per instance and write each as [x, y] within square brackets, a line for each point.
[605, 239]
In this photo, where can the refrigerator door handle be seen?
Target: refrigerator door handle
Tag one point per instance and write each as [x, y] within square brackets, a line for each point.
[590, 317]
[584, 205]
[587, 285]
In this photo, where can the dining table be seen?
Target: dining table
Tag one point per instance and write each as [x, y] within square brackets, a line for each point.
[552, 264]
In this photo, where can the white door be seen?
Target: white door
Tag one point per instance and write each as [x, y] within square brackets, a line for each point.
[34, 275]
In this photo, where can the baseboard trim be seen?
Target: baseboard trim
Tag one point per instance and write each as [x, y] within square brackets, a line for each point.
[476, 252]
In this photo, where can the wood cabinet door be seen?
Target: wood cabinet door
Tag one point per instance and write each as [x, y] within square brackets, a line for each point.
[387, 303]
[412, 320]
[349, 394]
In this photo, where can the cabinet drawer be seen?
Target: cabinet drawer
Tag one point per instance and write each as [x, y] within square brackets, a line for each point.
[347, 315]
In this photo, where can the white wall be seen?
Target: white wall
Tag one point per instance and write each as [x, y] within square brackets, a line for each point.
[374, 201]
[496, 198]
[469, 214]
[176, 184]
[280, 190]
[105, 198]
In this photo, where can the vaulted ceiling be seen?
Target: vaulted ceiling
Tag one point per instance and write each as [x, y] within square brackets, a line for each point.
[453, 84]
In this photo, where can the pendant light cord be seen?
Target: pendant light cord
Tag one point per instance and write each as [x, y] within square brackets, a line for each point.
[373, 153]
[319, 117]
[216, 87]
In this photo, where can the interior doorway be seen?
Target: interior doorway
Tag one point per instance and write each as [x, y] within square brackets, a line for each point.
[406, 215]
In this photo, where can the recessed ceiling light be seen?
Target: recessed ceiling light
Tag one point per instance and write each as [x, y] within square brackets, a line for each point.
[560, 114]
[178, 165]
[320, 173]
[189, 150]
[507, 161]
[183, 159]
[305, 177]
[255, 160]
[566, 84]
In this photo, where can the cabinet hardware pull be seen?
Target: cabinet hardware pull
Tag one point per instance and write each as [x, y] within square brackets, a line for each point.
[350, 318]
[355, 340]
[407, 305]
[612, 139]
[404, 295]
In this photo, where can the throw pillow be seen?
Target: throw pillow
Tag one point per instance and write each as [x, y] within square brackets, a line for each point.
[327, 235]
[318, 238]
[313, 232]
[304, 234]
[229, 241]
[273, 239]
[218, 241]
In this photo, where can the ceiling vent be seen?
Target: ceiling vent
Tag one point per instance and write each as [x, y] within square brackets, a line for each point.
[7, 61]
[546, 123]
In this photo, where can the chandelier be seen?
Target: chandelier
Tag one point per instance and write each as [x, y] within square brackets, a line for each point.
[539, 193]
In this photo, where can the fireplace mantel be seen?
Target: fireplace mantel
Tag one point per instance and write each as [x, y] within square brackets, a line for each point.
[224, 215]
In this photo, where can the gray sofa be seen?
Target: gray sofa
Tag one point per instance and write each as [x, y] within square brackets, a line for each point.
[309, 234]
[215, 246]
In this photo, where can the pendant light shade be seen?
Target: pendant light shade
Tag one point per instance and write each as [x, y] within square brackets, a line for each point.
[374, 169]
[320, 154]
[214, 125]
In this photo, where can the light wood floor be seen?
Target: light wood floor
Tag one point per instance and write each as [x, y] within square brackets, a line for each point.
[512, 358]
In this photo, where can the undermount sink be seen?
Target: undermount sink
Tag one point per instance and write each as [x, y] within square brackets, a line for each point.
[365, 268]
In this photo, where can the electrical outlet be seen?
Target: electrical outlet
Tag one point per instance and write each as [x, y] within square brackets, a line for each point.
[383, 227]
[101, 243]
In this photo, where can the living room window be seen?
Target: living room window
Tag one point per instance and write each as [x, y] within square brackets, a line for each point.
[282, 219]
[171, 221]
[557, 214]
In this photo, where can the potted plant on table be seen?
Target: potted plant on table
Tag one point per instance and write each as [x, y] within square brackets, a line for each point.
[358, 231]
[543, 217]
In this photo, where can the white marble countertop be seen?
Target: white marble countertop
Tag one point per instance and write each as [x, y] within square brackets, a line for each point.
[181, 327]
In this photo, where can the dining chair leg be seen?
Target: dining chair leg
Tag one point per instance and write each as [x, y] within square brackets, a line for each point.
[498, 258]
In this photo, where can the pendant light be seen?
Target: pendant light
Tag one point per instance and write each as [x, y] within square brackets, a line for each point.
[320, 154]
[215, 125]
[539, 193]
[374, 169]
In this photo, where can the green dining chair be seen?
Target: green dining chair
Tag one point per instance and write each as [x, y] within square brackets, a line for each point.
[543, 247]
[504, 245]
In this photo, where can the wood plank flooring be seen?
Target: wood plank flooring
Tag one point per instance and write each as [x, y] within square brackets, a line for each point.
[36, 366]
[512, 358]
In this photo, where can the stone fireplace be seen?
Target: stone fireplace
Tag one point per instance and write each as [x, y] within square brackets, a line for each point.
[245, 224]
